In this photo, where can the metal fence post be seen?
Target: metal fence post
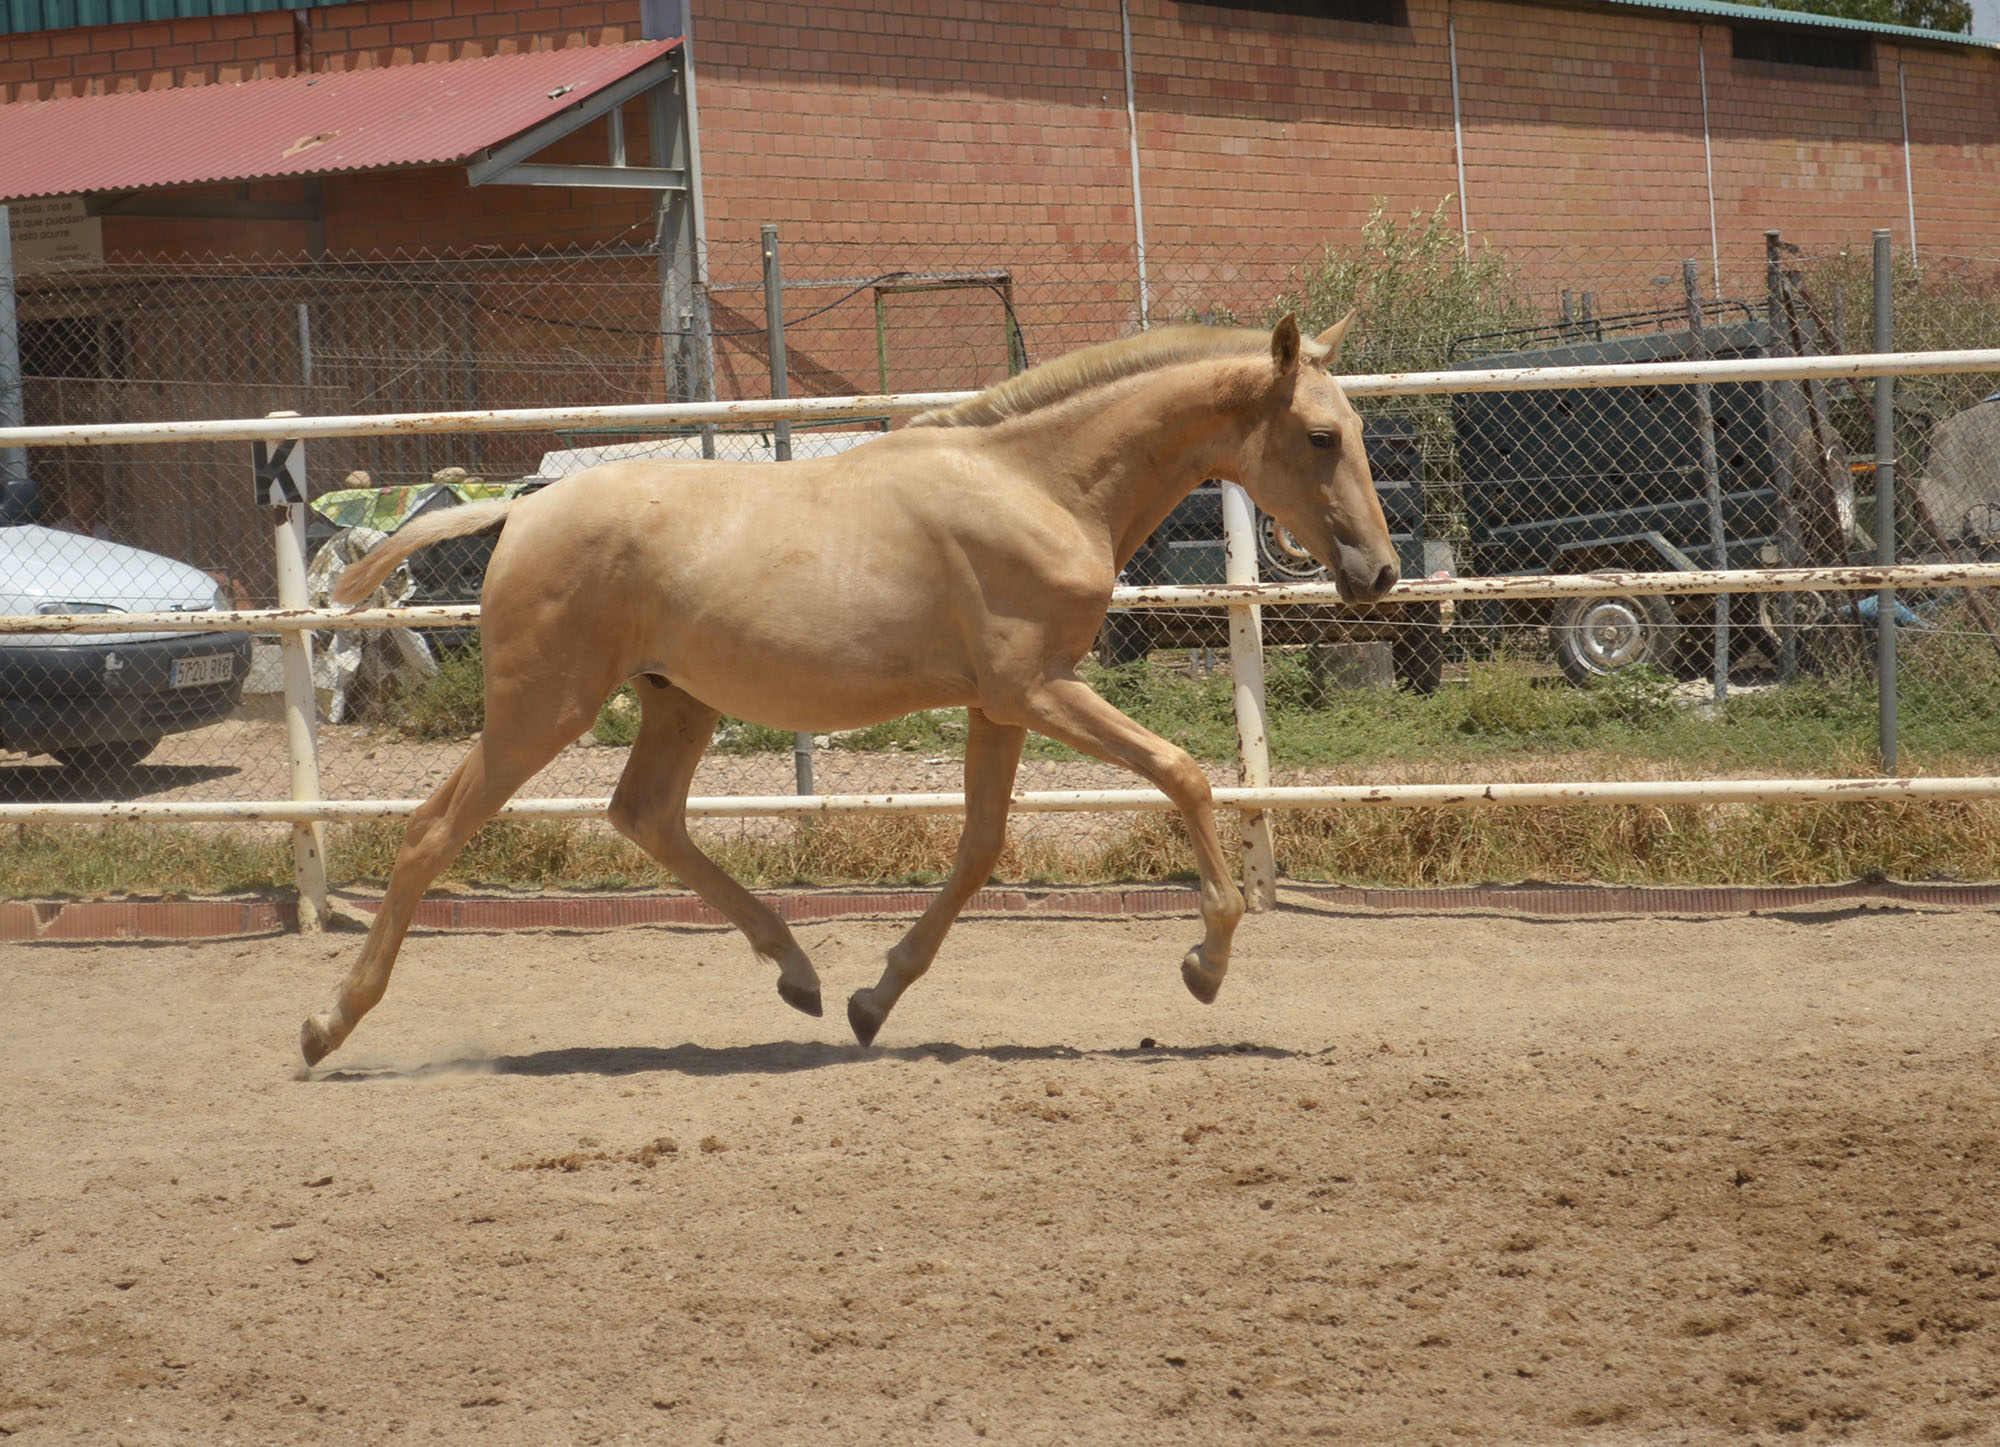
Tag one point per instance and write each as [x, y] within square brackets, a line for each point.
[13, 460]
[1791, 549]
[1246, 670]
[781, 440]
[301, 716]
[680, 231]
[1711, 476]
[1885, 509]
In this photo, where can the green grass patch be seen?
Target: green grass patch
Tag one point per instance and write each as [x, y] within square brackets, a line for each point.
[450, 704]
[1511, 710]
[1505, 709]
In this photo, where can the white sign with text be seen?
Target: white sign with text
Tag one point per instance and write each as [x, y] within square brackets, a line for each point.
[53, 234]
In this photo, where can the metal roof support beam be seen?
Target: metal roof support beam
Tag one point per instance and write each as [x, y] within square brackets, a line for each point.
[502, 159]
[635, 178]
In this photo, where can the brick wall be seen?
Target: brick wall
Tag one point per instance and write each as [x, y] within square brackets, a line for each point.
[1263, 136]
[969, 136]
[966, 128]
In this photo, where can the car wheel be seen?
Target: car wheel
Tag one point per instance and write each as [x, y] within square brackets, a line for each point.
[1125, 638]
[1597, 637]
[1418, 648]
[106, 761]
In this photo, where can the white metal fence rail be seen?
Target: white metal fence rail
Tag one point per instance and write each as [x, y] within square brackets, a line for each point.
[1852, 366]
[306, 809]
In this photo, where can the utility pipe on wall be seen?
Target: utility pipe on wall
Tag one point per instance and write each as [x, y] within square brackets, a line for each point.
[1708, 160]
[1909, 181]
[1457, 132]
[1138, 195]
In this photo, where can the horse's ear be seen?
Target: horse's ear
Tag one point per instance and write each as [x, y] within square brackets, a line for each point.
[1331, 338]
[1285, 344]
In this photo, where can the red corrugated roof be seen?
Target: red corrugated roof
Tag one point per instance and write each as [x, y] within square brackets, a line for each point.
[436, 114]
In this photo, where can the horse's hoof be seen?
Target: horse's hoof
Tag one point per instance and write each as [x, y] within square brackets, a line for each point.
[1203, 983]
[313, 1043]
[863, 1017]
[805, 1001]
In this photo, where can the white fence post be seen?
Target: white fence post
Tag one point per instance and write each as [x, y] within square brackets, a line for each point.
[301, 715]
[1246, 669]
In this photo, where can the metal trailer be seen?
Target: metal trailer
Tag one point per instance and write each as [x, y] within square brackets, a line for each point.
[1584, 480]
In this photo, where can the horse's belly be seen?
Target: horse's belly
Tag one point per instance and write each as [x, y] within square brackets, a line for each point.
[820, 672]
[817, 701]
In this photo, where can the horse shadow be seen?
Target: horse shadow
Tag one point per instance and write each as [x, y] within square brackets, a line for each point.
[781, 1057]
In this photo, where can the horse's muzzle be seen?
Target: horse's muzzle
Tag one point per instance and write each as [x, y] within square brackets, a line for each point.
[1362, 575]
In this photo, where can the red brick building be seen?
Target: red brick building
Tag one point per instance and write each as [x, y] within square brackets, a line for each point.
[1598, 142]
[963, 122]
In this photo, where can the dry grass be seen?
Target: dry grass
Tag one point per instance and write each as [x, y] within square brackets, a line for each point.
[1680, 844]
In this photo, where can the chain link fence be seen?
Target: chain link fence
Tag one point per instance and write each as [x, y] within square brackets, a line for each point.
[1473, 484]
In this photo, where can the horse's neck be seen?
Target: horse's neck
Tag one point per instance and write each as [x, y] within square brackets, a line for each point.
[1128, 458]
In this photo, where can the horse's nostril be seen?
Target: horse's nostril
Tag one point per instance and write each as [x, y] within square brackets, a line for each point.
[1386, 579]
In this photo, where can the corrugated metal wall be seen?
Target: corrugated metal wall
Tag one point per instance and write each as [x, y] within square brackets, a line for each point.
[20, 15]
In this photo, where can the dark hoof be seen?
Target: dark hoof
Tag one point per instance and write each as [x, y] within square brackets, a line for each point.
[1202, 983]
[313, 1043]
[805, 1001]
[862, 1018]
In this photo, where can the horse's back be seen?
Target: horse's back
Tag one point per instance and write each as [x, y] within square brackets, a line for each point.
[884, 517]
[819, 593]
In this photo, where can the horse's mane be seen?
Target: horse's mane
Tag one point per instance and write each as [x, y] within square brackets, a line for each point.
[1098, 366]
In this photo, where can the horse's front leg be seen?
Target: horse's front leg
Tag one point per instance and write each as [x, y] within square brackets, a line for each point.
[992, 753]
[1065, 709]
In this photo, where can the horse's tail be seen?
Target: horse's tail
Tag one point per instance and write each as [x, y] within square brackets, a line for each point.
[360, 579]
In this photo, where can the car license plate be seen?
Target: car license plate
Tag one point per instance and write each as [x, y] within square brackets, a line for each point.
[204, 668]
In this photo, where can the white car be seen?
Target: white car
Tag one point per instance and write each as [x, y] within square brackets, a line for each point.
[100, 702]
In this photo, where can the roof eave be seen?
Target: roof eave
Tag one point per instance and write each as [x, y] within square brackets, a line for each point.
[1725, 13]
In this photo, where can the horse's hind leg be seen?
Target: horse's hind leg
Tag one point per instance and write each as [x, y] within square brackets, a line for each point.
[650, 809]
[992, 753]
[519, 738]
[1065, 709]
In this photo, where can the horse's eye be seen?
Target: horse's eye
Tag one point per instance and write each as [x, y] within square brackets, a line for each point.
[1321, 439]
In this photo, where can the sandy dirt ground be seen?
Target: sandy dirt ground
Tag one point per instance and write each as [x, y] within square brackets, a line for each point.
[1412, 1179]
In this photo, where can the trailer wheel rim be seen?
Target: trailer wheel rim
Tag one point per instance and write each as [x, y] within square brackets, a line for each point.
[1611, 633]
[1283, 554]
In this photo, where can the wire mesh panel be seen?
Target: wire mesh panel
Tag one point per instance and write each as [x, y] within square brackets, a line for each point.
[1629, 479]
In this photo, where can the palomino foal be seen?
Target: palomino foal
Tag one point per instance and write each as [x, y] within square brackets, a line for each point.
[964, 560]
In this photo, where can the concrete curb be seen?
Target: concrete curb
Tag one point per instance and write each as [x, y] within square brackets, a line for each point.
[191, 919]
